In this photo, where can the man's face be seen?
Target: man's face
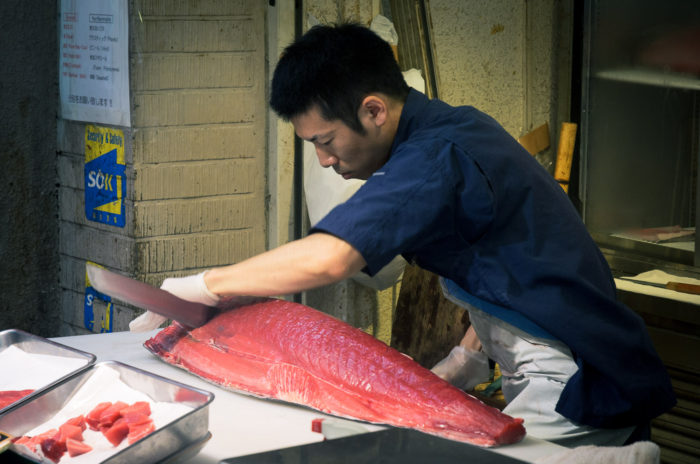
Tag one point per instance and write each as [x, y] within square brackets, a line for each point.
[352, 155]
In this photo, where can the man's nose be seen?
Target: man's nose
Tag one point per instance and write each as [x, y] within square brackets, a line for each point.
[325, 159]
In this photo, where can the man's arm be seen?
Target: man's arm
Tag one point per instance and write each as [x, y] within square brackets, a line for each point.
[316, 260]
[313, 261]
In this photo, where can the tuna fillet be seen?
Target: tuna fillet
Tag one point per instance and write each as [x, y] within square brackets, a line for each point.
[290, 352]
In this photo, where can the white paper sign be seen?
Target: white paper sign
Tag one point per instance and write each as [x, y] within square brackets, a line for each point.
[94, 61]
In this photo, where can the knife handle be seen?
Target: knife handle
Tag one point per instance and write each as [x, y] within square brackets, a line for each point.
[684, 288]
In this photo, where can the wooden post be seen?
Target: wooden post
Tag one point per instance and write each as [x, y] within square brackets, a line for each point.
[565, 154]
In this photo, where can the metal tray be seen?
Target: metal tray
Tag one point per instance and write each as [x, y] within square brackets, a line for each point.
[38, 345]
[181, 434]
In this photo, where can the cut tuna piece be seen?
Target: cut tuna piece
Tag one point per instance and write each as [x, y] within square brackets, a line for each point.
[78, 421]
[135, 418]
[117, 432]
[138, 431]
[139, 407]
[71, 431]
[111, 414]
[93, 417]
[287, 351]
[76, 448]
[52, 446]
[8, 397]
[23, 440]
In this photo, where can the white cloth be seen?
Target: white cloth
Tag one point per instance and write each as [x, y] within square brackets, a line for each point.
[384, 28]
[534, 373]
[463, 368]
[641, 452]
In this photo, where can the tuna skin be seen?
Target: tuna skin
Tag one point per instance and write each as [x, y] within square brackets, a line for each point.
[287, 351]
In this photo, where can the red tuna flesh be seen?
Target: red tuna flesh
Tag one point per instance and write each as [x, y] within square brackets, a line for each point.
[8, 397]
[287, 351]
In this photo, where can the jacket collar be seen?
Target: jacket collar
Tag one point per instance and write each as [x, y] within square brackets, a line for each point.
[410, 117]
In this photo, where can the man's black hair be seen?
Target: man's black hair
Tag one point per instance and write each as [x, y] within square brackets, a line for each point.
[335, 67]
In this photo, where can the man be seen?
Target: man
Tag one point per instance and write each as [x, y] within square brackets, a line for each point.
[450, 190]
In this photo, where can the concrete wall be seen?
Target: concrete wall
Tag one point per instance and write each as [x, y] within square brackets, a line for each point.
[195, 154]
[29, 298]
[510, 59]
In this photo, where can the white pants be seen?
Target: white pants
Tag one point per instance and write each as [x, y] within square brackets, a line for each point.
[534, 372]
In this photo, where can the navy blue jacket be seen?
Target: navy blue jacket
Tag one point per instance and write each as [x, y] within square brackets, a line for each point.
[461, 198]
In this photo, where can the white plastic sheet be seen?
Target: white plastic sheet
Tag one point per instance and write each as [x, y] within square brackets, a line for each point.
[31, 371]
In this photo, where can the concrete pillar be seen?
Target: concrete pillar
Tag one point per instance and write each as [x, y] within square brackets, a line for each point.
[195, 155]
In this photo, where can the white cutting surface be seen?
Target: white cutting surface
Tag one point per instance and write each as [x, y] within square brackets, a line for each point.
[242, 424]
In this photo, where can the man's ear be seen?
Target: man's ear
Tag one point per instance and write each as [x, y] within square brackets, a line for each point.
[375, 109]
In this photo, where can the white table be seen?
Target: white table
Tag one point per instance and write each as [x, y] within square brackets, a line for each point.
[241, 424]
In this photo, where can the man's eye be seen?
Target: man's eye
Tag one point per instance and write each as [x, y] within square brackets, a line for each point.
[327, 143]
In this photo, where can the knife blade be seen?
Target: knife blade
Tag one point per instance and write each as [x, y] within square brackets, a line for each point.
[147, 297]
[676, 286]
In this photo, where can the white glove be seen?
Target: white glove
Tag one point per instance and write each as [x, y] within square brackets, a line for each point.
[463, 368]
[190, 288]
[146, 321]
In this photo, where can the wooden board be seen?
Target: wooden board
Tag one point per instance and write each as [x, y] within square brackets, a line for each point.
[426, 325]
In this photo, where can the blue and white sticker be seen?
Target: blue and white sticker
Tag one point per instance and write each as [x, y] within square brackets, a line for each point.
[105, 175]
[105, 312]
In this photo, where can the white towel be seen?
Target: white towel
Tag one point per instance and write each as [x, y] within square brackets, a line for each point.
[642, 452]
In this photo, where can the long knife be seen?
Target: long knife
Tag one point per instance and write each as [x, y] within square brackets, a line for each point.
[145, 296]
[676, 286]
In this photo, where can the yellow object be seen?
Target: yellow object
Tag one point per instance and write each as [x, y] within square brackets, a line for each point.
[565, 154]
[498, 394]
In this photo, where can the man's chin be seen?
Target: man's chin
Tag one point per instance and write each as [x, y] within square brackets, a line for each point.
[351, 175]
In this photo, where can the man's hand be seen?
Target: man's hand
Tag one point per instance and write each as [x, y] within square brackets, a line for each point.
[190, 288]
[466, 366]
[463, 368]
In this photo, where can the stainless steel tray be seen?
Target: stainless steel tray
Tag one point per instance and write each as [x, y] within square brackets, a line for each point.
[181, 434]
[34, 344]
